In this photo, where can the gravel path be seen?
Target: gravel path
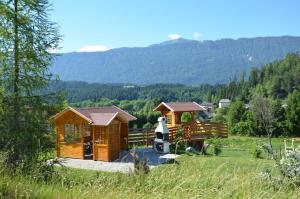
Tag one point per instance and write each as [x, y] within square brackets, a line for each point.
[124, 164]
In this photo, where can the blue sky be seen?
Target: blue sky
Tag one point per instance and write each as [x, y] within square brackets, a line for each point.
[89, 25]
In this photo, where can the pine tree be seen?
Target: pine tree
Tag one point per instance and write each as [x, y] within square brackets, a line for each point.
[293, 113]
[26, 37]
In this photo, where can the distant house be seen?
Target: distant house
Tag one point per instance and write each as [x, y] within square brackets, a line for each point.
[224, 103]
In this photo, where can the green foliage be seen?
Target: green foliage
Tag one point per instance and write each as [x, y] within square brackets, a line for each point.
[148, 125]
[257, 151]
[186, 117]
[235, 114]
[293, 113]
[242, 128]
[234, 174]
[179, 144]
[216, 145]
[290, 165]
[220, 115]
[26, 36]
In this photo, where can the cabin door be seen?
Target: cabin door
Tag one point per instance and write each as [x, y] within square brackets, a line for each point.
[114, 141]
[100, 145]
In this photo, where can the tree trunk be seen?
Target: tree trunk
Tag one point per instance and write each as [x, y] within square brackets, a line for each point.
[16, 88]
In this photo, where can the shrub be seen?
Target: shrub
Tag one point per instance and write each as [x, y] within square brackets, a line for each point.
[289, 165]
[217, 149]
[257, 151]
[186, 117]
[140, 165]
[179, 145]
[217, 145]
[148, 125]
[241, 128]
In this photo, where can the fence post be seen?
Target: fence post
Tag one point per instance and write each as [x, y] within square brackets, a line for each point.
[147, 138]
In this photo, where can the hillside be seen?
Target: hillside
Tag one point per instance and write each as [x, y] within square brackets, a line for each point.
[177, 61]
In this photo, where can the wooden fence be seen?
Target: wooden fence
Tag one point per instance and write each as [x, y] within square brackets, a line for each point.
[191, 131]
[140, 136]
[198, 129]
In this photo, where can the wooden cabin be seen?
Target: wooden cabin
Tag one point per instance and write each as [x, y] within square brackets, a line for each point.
[195, 131]
[174, 110]
[102, 131]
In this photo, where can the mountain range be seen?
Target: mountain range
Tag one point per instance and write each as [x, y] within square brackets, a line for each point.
[182, 61]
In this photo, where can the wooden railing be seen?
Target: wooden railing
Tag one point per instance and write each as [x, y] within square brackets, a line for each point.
[191, 131]
[198, 129]
[140, 136]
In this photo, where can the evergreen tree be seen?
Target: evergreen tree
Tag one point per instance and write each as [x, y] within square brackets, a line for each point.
[235, 113]
[26, 36]
[293, 113]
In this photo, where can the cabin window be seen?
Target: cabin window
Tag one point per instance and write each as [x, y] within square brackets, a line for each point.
[72, 133]
[169, 119]
[87, 130]
[100, 136]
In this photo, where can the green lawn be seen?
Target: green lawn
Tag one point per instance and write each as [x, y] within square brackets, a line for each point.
[233, 174]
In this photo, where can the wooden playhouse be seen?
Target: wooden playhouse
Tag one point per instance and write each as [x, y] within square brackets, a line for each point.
[103, 131]
[174, 110]
[195, 130]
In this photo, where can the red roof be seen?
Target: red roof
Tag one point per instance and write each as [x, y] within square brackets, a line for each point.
[100, 115]
[108, 109]
[180, 106]
[103, 119]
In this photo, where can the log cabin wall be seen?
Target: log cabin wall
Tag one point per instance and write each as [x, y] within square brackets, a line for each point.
[124, 136]
[64, 149]
[107, 141]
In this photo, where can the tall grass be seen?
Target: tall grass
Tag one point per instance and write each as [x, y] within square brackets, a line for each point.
[233, 174]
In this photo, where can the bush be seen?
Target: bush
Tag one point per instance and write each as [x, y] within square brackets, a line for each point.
[241, 128]
[186, 117]
[257, 151]
[179, 143]
[217, 149]
[290, 166]
[148, 125]
[217, 145]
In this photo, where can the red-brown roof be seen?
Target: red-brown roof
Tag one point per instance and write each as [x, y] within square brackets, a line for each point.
[108, 109]
[180, 106]
[103, 119]
[100, 115]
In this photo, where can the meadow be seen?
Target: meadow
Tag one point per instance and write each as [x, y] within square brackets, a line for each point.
[235, 173]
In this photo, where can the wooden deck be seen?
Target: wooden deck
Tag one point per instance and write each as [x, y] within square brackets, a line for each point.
[191, 131]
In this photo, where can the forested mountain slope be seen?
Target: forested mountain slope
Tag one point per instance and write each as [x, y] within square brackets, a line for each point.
[177, 61]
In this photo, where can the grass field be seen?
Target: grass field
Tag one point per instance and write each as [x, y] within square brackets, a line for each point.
[233, 174]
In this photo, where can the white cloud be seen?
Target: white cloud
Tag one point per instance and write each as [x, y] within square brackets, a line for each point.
[174, 36]
[93, 48]
[197, 35]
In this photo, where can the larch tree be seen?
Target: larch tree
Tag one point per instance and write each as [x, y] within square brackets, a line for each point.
[26, 39]
[262, 112]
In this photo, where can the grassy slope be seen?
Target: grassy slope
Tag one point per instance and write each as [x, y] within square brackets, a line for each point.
[234, 174]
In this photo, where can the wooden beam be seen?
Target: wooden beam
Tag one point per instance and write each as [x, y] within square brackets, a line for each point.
[93, 142]
[82, 139]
